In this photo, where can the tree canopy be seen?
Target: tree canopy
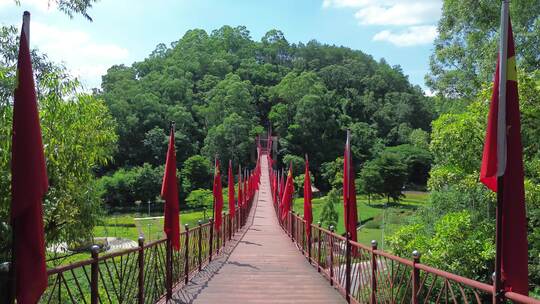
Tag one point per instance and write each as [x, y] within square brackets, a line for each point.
[223, 89]
[78, 137]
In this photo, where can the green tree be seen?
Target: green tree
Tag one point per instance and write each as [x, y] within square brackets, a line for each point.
[297, 162]
[231, 95]
[419, 139]
[454, 234]
[332, 173]
[78, 136]
[125, 186]
[386, 175]
[200, 199]
[454, 181]
[467, 44]
[233, 139]
[329, 216]
[369, 180]
[196, 173]
[417, 160]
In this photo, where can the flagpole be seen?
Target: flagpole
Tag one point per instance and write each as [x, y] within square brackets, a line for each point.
[12, 272]
[214, 205]
[346, 192]
[501, 149]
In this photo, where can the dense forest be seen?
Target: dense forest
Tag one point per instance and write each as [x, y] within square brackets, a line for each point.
[223, 89]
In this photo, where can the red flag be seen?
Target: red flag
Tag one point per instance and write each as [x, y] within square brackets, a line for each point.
[286, 201]
[169, 192]
[349, 191]
[28, 181]
[218, 197]
[308, 214]
[509, 166]
[230, 179]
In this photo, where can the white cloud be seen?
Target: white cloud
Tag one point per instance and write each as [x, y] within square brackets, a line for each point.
[346, 3]
[414, 13]
[83, 55]
[413, 35]
[403, 22]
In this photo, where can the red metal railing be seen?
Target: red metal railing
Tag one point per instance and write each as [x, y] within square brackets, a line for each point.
[364, 274]
[144, 274]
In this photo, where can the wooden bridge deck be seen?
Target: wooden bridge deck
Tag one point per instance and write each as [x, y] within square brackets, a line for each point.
[261, 266]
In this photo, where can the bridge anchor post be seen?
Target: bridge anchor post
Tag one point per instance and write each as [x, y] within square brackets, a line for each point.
[373, 272]
[211, 240]
[186, 256]
[168, 269]
[348, 267]
[415, 277]
[319, 247]
[94, 272]
[331, 256]
[199, 245]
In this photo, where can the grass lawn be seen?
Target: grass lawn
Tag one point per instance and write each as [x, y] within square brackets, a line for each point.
[125, 225]
[373, 216]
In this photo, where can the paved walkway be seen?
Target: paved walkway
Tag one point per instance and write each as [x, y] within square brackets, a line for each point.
[262, 266]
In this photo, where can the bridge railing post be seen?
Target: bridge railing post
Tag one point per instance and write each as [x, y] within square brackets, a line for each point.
[186, 256]
[218, 236]
[242, 216]
[224, 228]
[199, 245]
[331, 256]
[94, 272]
[289, 224]
[292, 225]
[230, 226]
[309, 242]
[211, 239]
[373, 299]
[140, 278]
[303, 229]
[319, 241]
[168, 268]
[415, 277]
[348, 267]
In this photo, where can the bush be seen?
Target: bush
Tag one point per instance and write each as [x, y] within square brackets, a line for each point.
[457, 244]
[126, 186]
[196, 174]
[332, 174]
[298, 163]
[329, 215]
[200, 199]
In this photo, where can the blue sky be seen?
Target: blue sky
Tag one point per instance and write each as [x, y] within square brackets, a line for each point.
[123, 31]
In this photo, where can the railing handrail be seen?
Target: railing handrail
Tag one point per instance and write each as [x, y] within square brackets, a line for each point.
[166, 270]
[415, 265]
[62, 268]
